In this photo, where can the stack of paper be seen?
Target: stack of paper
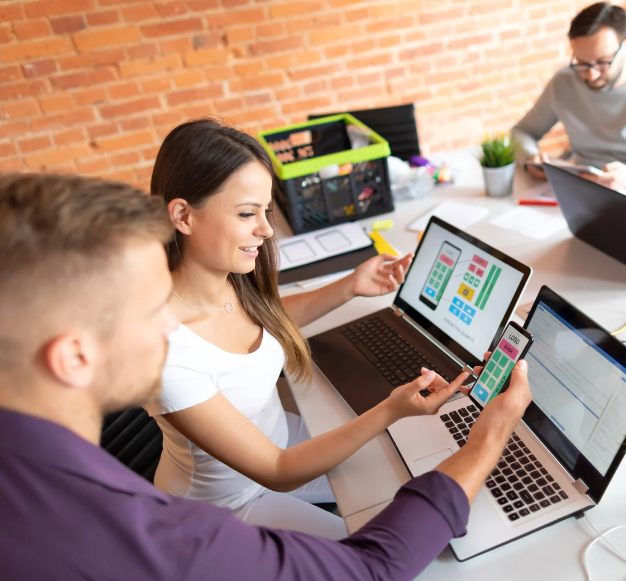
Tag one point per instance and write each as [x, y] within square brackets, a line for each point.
[456, 213]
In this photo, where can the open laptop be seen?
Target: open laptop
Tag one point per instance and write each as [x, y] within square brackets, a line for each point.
[595, 214]
[565, 450]
[457, 296]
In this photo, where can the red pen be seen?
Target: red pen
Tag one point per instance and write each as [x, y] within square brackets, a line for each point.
[538, 203]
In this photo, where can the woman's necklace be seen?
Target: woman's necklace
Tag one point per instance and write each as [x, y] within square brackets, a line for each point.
[228, 306]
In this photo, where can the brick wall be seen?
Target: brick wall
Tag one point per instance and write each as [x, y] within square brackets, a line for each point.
[93, 86]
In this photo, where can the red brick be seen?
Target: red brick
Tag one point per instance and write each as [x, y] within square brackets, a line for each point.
[287, 9]
[62, 120]
[6, 35]
[142, 51]
[12, 164]
[258, 82]
[308, 105]
[177, 45]
[388, 25]
[357, 14]
[368, 79]
[39, 68]
[287, 93]
[23, 89]
[258, 99]
[7, 149]
[102, 17]
[172, 27]
[138, 12]
[360, 94]
[234, 3]
[150, 154]
[188, 78]
[450, 15]
[180, 97]
[158, 85]
[34, 144]
[251, 68]
[109, 57]
[130, 107]
[56, 102]
[12, 128]
[11, 12]
[281, 45]
[270, 30]
[103, 38]
[39, 161]
[167, 118]
[131, 157]
[31, 29]
[227, 105]
[236, 17]
[91, 77]
[336, 34]
[135, 124]
[203, 5]
[124, 90]
[298, 25]
[102, 130]
[79, 61]
[470, 41]
[92, 166]
[219, 73]
[175, 8]
[206, 56]
[422, 51]
[76, 135]
[327, 20]
[252, 115]
[90, 96]
[208, 40]
[369, 61]
[127, 141]
[20, 109]
[336, 51]
[315, 87]
[35, 49]
[67, 24]
[56, 7]
[314, 72]
[148, 67]
[8, 74]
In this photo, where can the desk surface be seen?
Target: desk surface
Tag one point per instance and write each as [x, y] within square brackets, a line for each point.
[366, 482]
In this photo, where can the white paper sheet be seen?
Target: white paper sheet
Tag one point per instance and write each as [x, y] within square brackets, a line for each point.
[456, 213]
[535, 224]
[313, 246]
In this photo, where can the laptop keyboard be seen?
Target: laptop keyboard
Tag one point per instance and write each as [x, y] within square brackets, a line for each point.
[519, 482]
[394, 358]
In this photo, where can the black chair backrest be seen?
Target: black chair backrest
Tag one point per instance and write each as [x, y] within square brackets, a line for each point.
[396, 124]
[135, 439]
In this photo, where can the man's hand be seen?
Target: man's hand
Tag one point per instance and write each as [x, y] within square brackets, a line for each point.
[614, 176]
[536, 172]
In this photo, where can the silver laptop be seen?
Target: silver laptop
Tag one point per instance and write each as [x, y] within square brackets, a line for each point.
[565, 450]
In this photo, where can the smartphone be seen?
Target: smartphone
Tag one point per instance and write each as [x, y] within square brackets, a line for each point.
[494, 378]
[439, 275]
[570, 167]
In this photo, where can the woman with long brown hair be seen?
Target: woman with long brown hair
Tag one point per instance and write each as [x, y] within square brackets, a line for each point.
[227, 438]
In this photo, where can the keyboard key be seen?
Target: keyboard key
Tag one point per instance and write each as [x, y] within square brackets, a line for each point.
[461, 426]
[454, 430]
[526, 497]
[516, 438]
[511, 495]
[556, 486]
[510, 459]
[502, 500]
[518, 486]
[524, 512]
[507, 472]
[507, 508]
[542, 482]
[513, 446]
[471, 408]
[465, 432]
[512, 479]
[475, 415]
[543, 471]
[535, 474]
[555, 499]
[516, 466]
[513, 516]
[461, 442]
[538, 464]
[545, 503]
[495, 472]
[524, 461]
[464, 412]
[506, 486]
[548, 491]
[532, 457]
[457, 436]
[449, 425]
[456, 417]
[518, 454]
[497, 493]
[527, 480]
[444, 417]
[539, 496]
[518, 504]
[526, 450]
[550, 479]
[533, 488]
[534, 507]
[563, 495]
[500, 479]
[501, 465]
[521, 473]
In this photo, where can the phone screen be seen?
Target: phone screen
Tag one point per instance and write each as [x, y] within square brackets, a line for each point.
[512, 345]
[440, 274]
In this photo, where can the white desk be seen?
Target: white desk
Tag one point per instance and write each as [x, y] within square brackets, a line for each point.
[365, 483]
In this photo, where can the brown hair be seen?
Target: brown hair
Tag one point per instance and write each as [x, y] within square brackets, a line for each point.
[55, 230]
[195, 161]
[599, 15]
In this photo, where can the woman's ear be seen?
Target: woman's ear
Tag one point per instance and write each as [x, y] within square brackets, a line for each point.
[179, 211]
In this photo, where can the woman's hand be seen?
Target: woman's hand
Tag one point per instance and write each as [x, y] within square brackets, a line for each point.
[439, 382]
[379, 275]
[406, 400]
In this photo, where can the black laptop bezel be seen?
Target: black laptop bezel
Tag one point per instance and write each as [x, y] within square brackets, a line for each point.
[447, 341]
[583, 469]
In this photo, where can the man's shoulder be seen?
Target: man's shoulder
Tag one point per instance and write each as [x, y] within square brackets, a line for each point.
[564, 77]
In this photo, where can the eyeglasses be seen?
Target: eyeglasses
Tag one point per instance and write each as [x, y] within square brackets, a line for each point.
[600, 66]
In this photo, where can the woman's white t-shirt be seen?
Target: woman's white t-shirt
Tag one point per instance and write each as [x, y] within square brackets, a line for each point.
[194, 372]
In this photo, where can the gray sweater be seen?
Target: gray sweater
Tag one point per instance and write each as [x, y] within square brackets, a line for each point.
[595, 121]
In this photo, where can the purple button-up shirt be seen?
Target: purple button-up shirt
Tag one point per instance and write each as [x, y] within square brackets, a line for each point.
[70, 511]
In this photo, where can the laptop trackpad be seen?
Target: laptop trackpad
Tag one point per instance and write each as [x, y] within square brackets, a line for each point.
[429, 463]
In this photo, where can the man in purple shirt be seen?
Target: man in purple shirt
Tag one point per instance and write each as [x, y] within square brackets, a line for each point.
[84, 330]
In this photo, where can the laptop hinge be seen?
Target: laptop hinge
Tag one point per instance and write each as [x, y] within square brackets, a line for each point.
[580, 486]
[400, 313]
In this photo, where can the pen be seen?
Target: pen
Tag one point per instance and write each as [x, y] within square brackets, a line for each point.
[538, 203]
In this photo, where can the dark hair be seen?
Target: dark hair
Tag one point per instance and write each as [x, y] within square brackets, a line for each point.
[195, 161]
[600, 15]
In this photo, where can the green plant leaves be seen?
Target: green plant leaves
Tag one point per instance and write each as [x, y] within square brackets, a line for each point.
[498, 151]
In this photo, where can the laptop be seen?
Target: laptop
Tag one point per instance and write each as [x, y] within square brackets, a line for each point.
[456, 298]
[595, 214]
[564, 452]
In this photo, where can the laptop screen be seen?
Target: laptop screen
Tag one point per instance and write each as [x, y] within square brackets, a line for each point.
[577, 375]
[463, 287]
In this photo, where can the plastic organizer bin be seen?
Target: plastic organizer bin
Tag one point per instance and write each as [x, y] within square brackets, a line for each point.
[310, 202]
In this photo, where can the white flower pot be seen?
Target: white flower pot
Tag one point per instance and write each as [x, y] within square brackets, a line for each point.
[499, 180]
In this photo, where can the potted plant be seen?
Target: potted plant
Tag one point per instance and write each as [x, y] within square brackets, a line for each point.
[498, 161]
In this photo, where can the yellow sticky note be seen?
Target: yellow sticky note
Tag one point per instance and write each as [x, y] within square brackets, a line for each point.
[382, 225]
[381, 245]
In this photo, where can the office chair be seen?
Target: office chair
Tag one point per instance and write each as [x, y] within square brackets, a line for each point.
[395, 124]
[134, 438]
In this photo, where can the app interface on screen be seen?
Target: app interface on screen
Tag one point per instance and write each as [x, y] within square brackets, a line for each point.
[440, 273]
[578, 386]
[499, 367]
[477, 292]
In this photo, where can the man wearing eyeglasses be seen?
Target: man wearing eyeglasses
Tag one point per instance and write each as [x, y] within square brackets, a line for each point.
[588, 97]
